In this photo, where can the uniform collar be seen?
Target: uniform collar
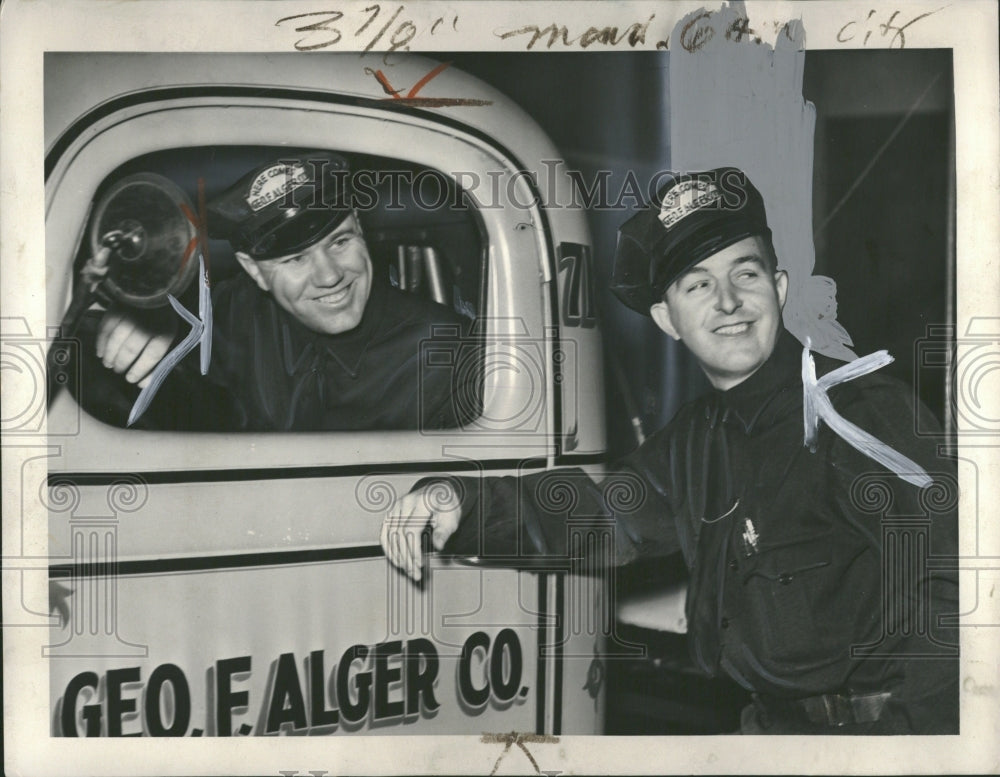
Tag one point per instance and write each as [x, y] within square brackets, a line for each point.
[346, 349]
[746, 401]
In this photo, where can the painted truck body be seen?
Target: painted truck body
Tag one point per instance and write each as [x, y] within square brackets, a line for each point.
[232, 584]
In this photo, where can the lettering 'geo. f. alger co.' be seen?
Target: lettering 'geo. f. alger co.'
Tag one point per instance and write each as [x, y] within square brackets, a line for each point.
[391, 683]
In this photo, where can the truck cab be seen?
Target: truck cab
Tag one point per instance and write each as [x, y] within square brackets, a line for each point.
[231, 583]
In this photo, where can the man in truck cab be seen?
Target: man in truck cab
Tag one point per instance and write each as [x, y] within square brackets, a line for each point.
[307, 338]
[790, 593]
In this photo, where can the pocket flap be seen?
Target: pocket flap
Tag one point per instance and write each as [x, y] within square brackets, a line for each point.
[784, 563]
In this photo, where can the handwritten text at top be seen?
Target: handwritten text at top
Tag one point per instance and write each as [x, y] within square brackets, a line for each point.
[328, 28]
[394, 28]
[888, 28]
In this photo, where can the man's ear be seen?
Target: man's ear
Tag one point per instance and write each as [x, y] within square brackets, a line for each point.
[660, 312]
[781, 285]
[253, 270]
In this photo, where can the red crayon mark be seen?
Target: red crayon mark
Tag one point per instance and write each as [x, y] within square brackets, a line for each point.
[203, 226]
[425, 102]
[200, 223]
[426, 79]
[194, 240]
[383, 81]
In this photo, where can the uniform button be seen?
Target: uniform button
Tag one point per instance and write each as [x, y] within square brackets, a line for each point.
[734, 565]
[784, 578]
[724, 623]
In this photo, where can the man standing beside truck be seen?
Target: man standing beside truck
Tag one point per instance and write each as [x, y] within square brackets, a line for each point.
[788, 594]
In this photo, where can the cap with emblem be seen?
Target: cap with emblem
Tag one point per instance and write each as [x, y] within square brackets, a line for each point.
[284, 206]
[694, 216]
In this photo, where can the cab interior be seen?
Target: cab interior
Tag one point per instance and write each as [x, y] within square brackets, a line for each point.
[423, 234]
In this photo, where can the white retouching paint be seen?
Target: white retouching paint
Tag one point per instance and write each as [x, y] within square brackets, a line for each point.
[736, 100]
[816, 407]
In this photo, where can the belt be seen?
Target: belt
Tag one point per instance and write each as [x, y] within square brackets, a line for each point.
[828, 709]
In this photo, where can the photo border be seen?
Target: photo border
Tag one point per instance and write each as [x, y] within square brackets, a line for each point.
[32, 27]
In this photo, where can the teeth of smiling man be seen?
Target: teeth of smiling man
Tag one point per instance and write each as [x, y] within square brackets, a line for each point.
[733, 329]
[334, 297]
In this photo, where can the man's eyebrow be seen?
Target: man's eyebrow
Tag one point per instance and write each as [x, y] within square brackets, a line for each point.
[691, 271]
[750, 259]
[340, 231]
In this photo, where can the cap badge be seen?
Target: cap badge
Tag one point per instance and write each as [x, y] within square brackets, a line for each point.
[685, 198]
[273, 183]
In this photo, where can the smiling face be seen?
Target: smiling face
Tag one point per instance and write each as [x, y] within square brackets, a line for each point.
[727, 310]
[325, 286]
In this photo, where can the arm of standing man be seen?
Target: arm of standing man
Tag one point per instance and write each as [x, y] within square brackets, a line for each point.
[531, 516]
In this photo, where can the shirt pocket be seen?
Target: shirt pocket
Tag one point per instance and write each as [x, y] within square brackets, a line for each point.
[781, 588]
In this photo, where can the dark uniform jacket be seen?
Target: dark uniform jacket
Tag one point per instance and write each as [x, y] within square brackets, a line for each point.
[270, 373]
[284, 376]
[811, 573]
